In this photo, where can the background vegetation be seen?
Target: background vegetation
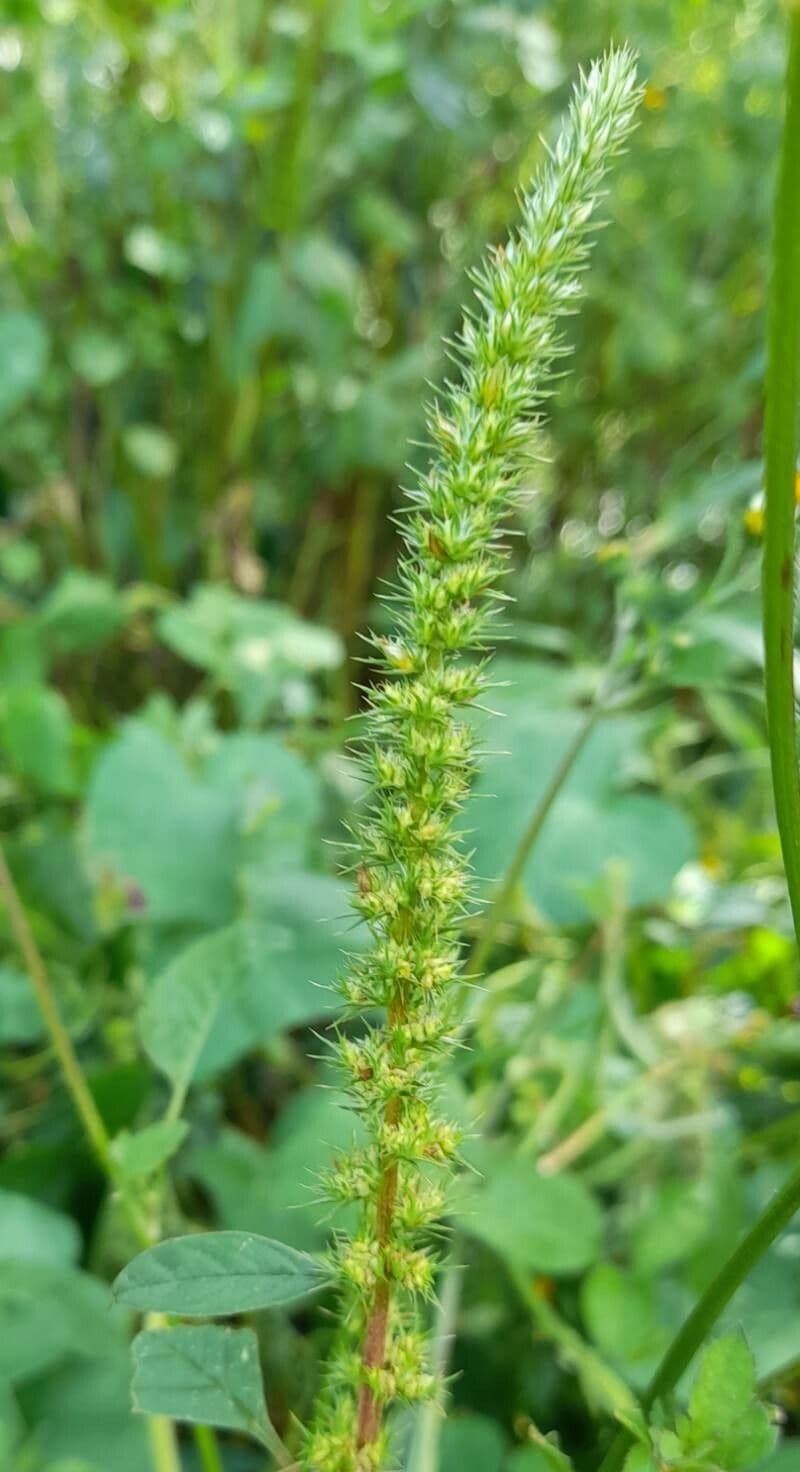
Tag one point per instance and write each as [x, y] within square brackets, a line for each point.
[233, 237]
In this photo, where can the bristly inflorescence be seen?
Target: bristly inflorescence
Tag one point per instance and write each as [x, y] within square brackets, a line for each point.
[413, 880]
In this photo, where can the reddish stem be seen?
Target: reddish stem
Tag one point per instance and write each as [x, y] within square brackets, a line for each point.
[373, 1349]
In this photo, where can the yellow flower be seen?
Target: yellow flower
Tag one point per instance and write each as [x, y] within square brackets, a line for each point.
[754, 520]
[754, 515]
[655, 97]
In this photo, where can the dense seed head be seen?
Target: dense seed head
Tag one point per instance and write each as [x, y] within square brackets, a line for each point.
[413, 878]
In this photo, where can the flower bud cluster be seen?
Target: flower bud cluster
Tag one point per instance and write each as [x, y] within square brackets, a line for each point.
[412, 877]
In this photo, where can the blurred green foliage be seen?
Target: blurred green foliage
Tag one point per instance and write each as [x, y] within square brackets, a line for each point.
[234, 237]
[234, 234]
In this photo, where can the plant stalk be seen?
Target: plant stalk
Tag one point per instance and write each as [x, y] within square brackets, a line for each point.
[424, 1456]
[601, 1383]
[164, 1453]
[710, 1306]
[783, 380]
[373, 1349]
[76, 1084]
[207, 1449]
[568, 1150]
[498, 908]
[161, 1431]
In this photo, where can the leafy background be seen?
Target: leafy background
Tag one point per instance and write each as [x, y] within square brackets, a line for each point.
[233, 238]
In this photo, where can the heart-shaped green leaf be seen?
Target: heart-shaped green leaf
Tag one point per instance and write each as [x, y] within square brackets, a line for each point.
[201, 1373]
[218, 1273]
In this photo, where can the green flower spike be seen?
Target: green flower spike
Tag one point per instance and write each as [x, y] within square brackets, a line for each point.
[419, 759]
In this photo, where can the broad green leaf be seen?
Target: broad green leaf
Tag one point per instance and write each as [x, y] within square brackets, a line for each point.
[548, 1224]
[214, 1274]
[308, 923]
[266, 1189]
[725, 1382]
[748, 1440]
[178, 837]
[540, 1455]
[277, 798]
[201, 1373]
[81, 612]
[726, 1422]
[309, 647]
[32, 1335]
[20, 562]
[20, 1018]
[292, 955]
[31, 1231]
[231, 991]
[82, 1409]
[471, 1444]
[177, 1019]
[11, 1423]
[32, 1342]
[596, 819]
[36, 731]
[784, 1458]
[146, 1150]
[768, 1306]
[24, 351]
[153, 825]
[270, 307]
[620, 1314]
[671, 1221]
[640, 1459]
[74, 1464]
[250, 646]
[22, 655]
[50, 865]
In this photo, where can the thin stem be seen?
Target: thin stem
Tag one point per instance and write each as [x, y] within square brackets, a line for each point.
[624, 1021]
[289, 183]
[710, 1306]
[568, 1150]
[276, 1447]
[76, 1084]
[427, 1431]
[361, 537]
[207, 1449]
[73, 1075]
[783, 377]
[160, 1430]
[373, 1349]
[783, 380]
[601, 1382]
[164, 1453]
[496, 912]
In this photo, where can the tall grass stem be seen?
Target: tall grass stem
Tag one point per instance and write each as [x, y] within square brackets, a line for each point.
[783, 380]
[707, 1311]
